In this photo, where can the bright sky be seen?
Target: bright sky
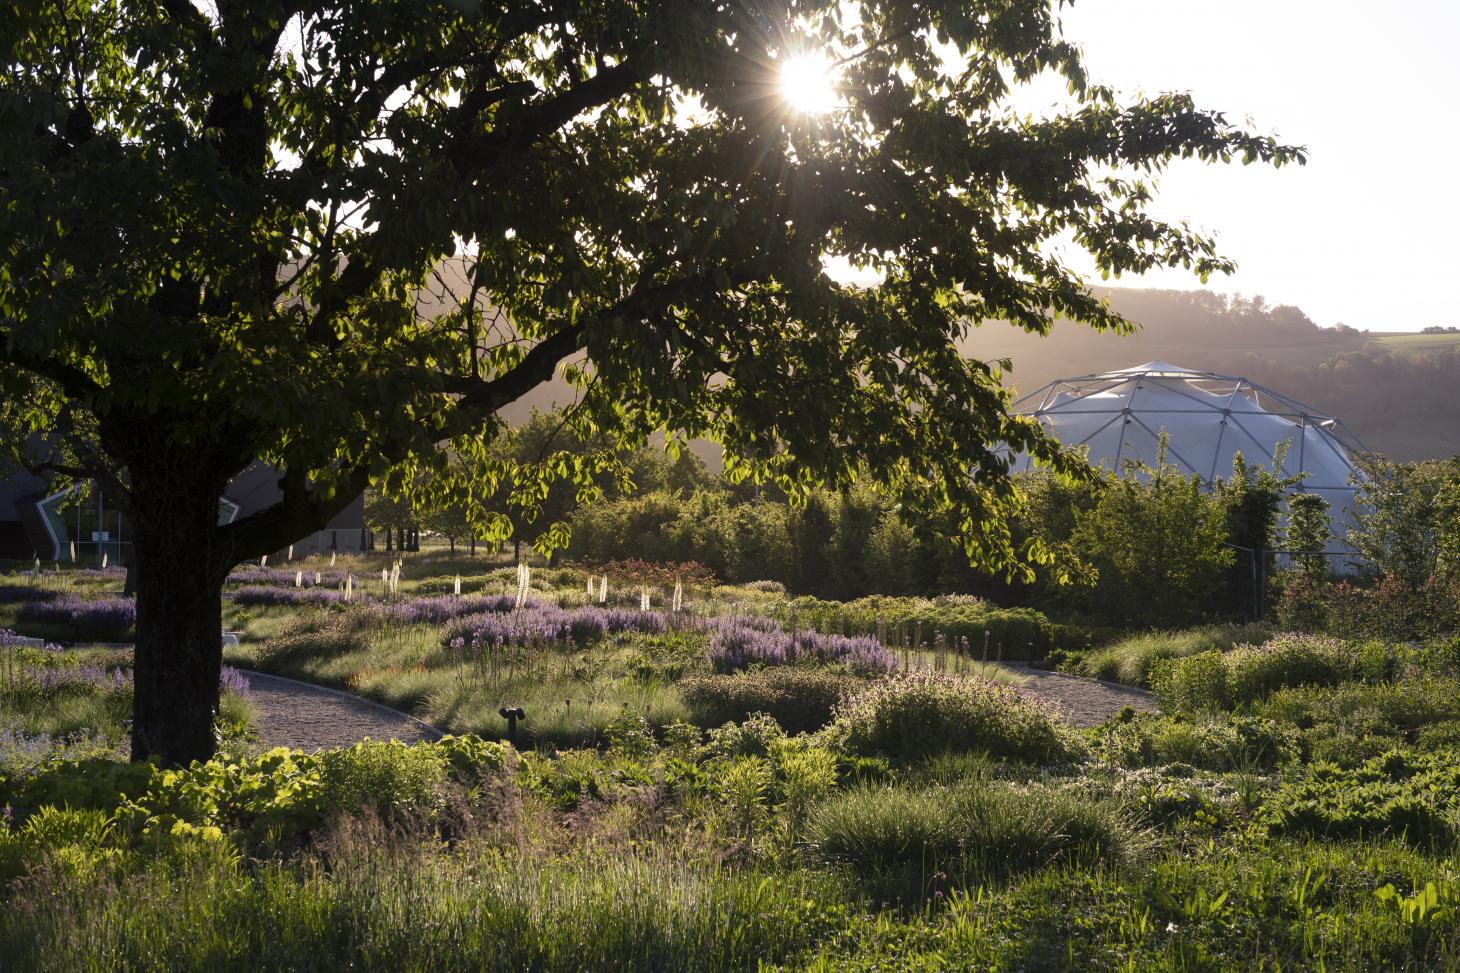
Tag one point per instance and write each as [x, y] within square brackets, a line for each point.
[1365, 233]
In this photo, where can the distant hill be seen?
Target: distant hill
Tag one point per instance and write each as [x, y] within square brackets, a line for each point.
[1399, 392]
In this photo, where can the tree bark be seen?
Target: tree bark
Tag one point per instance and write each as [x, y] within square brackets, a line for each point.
[180, 571]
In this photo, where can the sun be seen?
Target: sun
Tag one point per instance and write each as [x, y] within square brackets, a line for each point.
[807, 84]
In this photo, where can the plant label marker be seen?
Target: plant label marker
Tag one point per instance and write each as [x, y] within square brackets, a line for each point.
[264, 561]
[456, 588]
[299, 579]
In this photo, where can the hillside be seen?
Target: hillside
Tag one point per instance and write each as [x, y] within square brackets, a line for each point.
[1400, 393]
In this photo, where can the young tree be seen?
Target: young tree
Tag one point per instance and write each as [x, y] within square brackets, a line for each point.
[1157, 544]
[1308, 532]
[1400, 517]
[1252, 498]
[217, 222]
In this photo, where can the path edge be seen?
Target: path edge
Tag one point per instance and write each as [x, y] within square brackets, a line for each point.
[436, 731]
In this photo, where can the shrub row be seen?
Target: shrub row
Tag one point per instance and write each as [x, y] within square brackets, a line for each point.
[1249, 673]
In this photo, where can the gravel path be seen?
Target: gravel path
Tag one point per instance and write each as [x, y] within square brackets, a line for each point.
[1087, 702]
[304, 717]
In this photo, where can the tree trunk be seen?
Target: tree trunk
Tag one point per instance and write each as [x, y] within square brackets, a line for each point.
[473, 545]
[179, 615]
[389, 534]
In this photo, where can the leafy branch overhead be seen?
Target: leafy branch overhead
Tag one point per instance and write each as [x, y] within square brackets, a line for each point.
[341, 236]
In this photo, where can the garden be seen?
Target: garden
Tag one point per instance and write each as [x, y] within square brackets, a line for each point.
[715, 776]
[856, 699]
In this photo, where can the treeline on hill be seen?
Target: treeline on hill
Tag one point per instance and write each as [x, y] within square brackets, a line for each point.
[1400, 397]
[1152, 549]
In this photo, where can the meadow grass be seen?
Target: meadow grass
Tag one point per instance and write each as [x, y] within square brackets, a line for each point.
[391, 904]
[1130, 659]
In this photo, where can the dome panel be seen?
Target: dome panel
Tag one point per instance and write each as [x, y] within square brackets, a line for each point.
[1118, 416]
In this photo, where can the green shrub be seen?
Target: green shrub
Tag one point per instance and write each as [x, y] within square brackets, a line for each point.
[1253, 672]
[1130, 660]
[799, 699]
[910, 843]
[665, 657]
[916, 714]
[1400, 793]
[278, 796]
[1226, 743]
[395, 779]
[322, 639]
[1250, 673]
[963, 623]
[753, 738]
[93, 783]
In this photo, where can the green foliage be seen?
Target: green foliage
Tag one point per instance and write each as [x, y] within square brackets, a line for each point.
[1252, 498]
[799, 699]
[385, 905]
[1405, 518]
[964, 624]
[912, 715]
[1157, 543]
[1308, 532]
[1249, 673]
[1403, 794]
[277, 797]
[914, 843]
[319, 639]
[1352, 722]
[666, 658]
[1212, 743]
[1131, 659]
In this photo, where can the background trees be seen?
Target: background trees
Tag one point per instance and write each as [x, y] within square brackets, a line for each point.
[227, 234]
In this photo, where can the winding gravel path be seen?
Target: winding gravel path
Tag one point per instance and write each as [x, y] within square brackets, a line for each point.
[306, 717]
[1087, 702]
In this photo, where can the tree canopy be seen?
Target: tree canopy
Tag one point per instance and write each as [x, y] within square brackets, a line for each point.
[340, 236]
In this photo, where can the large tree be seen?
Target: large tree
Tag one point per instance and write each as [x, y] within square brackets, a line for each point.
[217, 221]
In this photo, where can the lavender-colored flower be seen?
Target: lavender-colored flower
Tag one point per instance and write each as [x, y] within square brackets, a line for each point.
[439, 609]
[108, 615]
[231, 680]
[737, 644]
[267, 596]
[52, 680]
[537, 623]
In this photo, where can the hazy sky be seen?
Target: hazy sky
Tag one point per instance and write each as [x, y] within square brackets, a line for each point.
[1365, 233]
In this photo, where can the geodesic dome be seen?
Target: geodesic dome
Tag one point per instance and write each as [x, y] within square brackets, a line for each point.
[1208, 419]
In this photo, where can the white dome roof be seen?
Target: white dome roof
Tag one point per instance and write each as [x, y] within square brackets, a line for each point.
[1118, 416]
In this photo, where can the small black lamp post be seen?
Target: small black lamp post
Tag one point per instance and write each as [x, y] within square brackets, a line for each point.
[512, 714]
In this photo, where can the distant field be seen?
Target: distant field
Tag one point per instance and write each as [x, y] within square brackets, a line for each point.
[1416, 343]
